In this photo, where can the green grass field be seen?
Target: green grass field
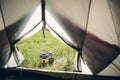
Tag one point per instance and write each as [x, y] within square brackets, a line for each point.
[33, 46]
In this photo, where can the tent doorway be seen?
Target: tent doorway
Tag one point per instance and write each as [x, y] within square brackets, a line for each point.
[35, 45]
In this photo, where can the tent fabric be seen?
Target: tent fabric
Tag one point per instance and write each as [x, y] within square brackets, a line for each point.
[15, 16]
[114, 66]
[89, 26]
[17, 13]
[73, 21]
[66, 19]
[27, 26]
[114, 8]
[16, 58]
[4, 45]
[101, 42]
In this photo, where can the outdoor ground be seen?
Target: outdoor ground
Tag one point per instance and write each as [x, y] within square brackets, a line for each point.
[32, 47]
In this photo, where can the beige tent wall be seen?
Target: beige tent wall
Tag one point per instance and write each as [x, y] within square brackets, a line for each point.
[4, 45]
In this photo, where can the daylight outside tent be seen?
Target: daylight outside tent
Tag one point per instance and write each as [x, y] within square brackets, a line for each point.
[81, 33]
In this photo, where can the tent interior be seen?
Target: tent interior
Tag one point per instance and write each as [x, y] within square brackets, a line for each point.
[91, 27]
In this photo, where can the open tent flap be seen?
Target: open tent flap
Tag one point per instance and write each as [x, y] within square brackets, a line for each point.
[101, 47]
[17, 15]
[14, 10]
[30, 25]
[68, 20]
[90, 26]
[18, 18]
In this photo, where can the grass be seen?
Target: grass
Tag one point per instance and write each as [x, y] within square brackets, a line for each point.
[33, 46]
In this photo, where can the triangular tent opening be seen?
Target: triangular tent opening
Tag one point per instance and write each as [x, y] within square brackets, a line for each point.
[91, 27]
[35, 45]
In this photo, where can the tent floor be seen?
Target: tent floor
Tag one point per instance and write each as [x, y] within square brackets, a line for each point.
[30, 74]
